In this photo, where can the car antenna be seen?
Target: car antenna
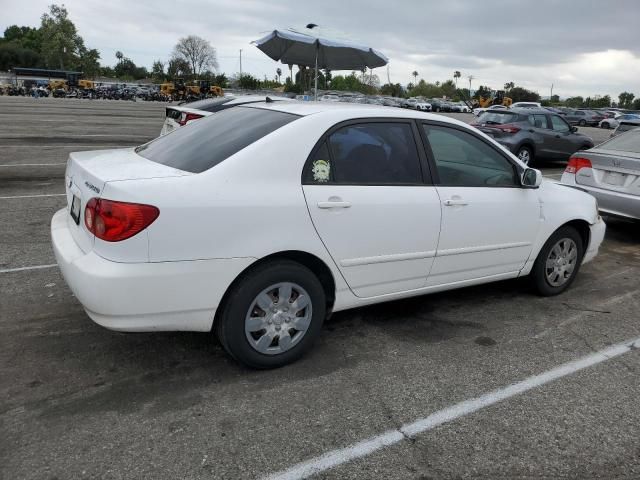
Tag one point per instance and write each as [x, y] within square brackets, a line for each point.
[268, 100]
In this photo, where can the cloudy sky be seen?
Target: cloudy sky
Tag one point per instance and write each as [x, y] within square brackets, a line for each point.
[583, 47]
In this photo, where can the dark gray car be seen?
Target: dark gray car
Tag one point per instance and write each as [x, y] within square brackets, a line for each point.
[611, 173]
[583, 117]
[533, 133]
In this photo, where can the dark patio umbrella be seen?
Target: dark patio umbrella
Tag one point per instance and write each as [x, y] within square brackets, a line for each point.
[298, 48]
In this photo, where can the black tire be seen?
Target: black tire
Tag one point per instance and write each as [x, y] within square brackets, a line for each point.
[230, 324]
[538, 272]
[525, 152]
[582, 123]
[605, 125]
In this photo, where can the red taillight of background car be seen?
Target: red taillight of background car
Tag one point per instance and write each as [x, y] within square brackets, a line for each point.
[187, 117]
[576, 163]
[507, 128]
[113, 221]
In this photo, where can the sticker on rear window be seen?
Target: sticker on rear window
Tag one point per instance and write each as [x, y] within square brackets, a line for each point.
[321, 171]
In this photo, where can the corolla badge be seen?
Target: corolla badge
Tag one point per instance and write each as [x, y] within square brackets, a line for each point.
[91, 186]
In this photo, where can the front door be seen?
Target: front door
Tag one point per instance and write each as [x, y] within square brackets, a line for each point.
[564, 143]
[370, 205]
[489, 222]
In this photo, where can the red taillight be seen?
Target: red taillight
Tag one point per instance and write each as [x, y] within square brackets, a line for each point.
[113, 221]
[187, 117]
[576, 163]
[507, 128]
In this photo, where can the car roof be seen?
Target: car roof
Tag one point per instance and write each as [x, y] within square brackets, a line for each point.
[349, 111]
[529, 111]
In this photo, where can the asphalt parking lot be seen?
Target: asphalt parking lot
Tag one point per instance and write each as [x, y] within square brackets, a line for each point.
[79, 401]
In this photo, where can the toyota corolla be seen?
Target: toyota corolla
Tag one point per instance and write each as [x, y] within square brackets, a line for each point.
[259, 221]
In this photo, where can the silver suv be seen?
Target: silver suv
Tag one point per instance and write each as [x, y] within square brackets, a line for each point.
[533, 133]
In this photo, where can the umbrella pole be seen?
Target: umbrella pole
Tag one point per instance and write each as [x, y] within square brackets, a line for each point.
[315, 94]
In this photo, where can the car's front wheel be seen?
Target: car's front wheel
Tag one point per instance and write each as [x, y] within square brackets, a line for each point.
[582, 123]
[272, 315]
[558, 262]
[525, 154]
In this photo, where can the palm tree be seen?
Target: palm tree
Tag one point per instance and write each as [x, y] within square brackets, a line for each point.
[456, 76]
[119, 56]
[291, 73]
[415, 77]
[278, 72]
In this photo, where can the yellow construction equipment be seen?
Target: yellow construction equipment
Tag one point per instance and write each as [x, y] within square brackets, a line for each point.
[56, 84]
[497, 97]
[86, 84]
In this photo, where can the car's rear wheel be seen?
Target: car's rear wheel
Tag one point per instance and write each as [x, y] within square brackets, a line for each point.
[558, 262]
[525, 154]
[605, 125]
[272, 315]
[582, 123]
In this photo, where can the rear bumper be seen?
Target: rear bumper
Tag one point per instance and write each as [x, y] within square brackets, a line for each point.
[142, 297]
[609, 201]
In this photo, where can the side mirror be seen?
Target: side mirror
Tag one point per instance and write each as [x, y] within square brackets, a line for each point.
[574, 129]
[531, 178]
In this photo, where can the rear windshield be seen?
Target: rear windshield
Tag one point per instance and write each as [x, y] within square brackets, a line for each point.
[497, 118]
[629, 142]
[209, 105]
[203, 144]
[625, 127]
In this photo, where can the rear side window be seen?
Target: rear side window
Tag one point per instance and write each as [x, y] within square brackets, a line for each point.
[203, 144]
[538, 121]
[374, 154]
[497, 118]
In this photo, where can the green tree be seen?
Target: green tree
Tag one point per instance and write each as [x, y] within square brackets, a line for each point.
[519, 94]
[427, 90]
[25, 37]
[157, 71]
[509, 85]
[574, 102]
[456, 76]
[636, 104]
[178, 68]
[392, 89]
[89, 62]
[448, 88]
[12, 55]
[61, 44]
[249, 82]
[625, 99]
[482, 91]
[415, 76]
[278, 73]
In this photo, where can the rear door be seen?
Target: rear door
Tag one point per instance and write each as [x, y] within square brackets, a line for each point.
[373, 205]
[542, 135]
[563, 140]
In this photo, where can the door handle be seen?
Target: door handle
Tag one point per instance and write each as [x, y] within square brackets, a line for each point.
[453, 202]
[334, 204]
[531, 130]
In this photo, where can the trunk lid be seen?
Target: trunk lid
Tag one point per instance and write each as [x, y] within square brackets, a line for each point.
[87, 174]
[611, 170]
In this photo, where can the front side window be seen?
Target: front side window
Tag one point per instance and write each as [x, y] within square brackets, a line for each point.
[559, 125]
[367, 154]
[463, 160]
[203, 144]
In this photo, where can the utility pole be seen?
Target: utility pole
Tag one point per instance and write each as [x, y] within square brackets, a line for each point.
[550, 96]
[240, 63]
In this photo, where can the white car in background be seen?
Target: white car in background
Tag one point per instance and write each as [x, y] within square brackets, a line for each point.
[478, 111]
[177, 116]
[329, 97]
[417, 104]
[260, 220]
[615, 121]
[526, 105]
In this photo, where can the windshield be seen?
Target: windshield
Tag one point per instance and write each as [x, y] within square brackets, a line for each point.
[497, 118]
[203, 144]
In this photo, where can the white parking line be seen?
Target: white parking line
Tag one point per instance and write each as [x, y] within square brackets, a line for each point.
[366, 447]
[22, 269]
[35, 196]
[78, 135]
[32, 164]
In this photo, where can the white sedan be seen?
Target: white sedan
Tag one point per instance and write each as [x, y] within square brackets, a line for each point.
[259, 221]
